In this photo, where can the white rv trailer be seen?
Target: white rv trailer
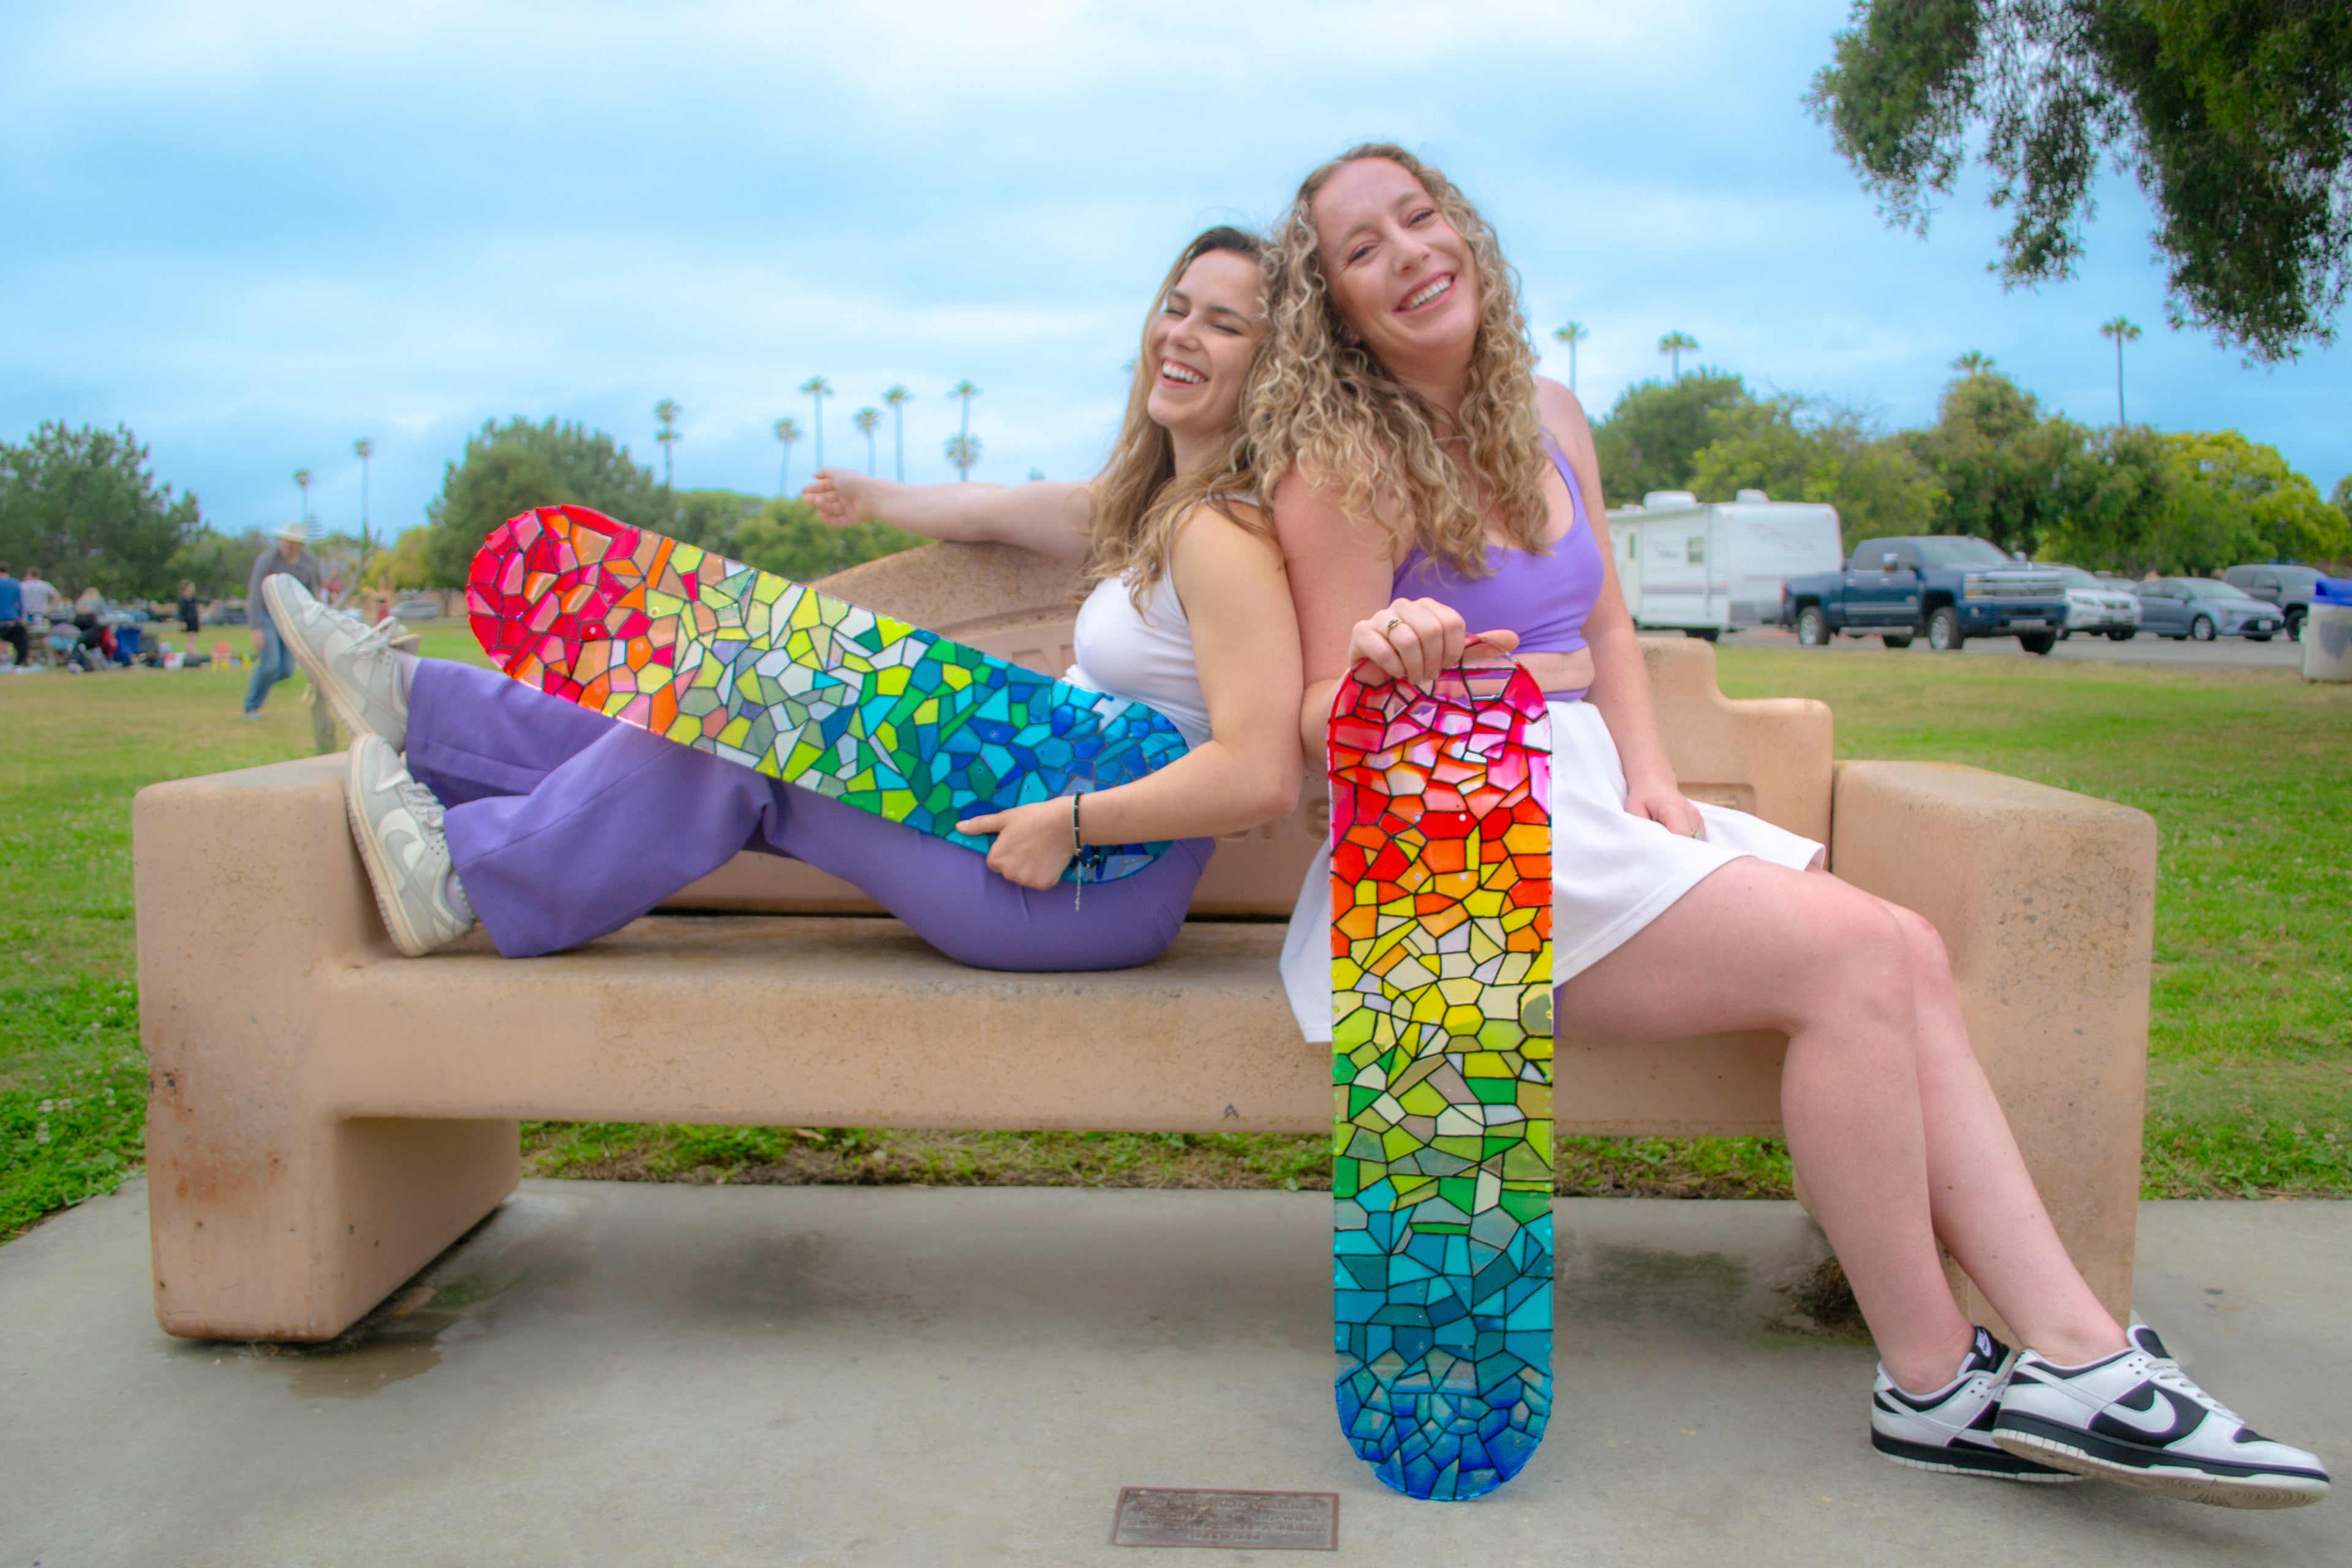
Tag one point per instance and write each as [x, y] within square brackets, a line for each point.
[1707, 568]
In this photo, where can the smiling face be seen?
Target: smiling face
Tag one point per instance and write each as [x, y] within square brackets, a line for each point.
[1199, 344]
[1405, 282]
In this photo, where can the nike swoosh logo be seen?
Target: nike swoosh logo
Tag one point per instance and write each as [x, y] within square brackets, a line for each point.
[2136, 1416]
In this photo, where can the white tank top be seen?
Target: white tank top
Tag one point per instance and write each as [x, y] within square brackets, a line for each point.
[1145, 656]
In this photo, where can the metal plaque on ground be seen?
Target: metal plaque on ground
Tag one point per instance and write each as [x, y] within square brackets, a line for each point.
[1248, 1521]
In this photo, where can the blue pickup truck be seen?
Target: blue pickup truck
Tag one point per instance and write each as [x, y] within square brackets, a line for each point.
[1947, 588]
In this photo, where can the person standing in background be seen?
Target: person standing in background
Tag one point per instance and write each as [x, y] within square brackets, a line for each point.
[12, 615]
[38, 597]
[272, 661]
[191, 615]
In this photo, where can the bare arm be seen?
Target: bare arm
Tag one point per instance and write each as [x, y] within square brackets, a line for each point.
[1051, 519]
[1245, 643]
[1341, 573]
[1621, 686]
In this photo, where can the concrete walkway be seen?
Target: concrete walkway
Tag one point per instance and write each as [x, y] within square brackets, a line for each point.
[609, 1374]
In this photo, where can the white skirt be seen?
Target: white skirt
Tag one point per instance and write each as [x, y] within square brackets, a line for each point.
[1612, 873]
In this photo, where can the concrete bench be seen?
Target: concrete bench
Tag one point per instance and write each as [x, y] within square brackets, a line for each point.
[326, 1116]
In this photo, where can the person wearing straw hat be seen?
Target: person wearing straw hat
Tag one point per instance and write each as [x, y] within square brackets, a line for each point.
[272, 661]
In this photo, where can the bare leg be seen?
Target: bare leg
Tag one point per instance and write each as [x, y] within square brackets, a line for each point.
[1985, 1205]
[1758, 946]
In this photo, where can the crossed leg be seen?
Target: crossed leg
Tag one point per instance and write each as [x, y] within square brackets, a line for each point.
[1889, 1117]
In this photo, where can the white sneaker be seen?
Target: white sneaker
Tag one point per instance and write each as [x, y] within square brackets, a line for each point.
[349, 660]
[2136, 1418]
[397, 826]
[1950, 1430]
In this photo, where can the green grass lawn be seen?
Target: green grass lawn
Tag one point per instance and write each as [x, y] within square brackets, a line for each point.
[2249, 776]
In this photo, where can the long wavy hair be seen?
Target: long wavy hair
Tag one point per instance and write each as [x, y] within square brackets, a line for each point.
[1321, 403]
[1137, 498]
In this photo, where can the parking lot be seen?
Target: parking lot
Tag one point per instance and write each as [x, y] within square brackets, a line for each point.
[2224, 653]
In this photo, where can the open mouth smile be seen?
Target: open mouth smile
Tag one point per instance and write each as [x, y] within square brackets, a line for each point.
[1429, 293]
[1181, 375]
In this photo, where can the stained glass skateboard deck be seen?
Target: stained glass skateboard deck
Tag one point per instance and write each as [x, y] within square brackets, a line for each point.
[1441, 1046]
[796, 684]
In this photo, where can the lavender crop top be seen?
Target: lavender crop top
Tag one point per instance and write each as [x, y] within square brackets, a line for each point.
[1544, 598]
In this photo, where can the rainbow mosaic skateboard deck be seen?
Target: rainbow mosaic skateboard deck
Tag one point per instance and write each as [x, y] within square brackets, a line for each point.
[799, 685]
[1441, 1046]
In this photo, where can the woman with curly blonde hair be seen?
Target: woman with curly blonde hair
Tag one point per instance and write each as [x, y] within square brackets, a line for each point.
[1426, 482]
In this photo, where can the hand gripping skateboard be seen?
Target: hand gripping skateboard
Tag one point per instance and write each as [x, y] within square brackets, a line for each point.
[799, 685]
[1441, 1046]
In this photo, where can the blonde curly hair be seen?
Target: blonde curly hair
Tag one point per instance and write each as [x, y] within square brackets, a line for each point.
[1321, 402]
[1139, 501]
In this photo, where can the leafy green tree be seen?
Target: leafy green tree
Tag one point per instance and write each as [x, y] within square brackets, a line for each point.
[788, 537]
[2003, 464]
[2117, 492]
[666, 414]
[709, 518]
[2341, 497]
[1573, 334]
[2231, 116]
[1654, 432]
[2235, 500]
[896, 398]
[512, 467]
[406, 564]
[84, 506]
[219, 564]
[1800, 449]
[1676, 344]
[2123, 329]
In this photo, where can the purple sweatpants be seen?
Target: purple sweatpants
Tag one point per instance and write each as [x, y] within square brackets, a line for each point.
[565, 825]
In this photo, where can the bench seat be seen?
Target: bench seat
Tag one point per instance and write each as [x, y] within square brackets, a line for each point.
[326, 1116]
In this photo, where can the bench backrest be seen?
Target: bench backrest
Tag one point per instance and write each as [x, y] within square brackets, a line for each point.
[1769, 757]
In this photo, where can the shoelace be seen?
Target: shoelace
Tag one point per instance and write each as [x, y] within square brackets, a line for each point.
[2167, 1375]
[426, 809]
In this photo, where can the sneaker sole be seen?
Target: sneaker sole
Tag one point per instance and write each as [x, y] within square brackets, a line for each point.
[2165, 1475]
[1992, 1465]
[353, 719]
[379, 874]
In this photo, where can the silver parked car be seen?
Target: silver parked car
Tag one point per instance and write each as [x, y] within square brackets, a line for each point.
[2096, 605]
[2202, 609]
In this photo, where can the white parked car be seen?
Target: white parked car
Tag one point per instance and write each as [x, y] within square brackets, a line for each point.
[2096, 605]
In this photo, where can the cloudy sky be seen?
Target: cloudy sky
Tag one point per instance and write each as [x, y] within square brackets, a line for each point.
[256, 231]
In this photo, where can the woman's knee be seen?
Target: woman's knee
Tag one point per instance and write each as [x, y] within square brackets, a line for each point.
[1866, 958]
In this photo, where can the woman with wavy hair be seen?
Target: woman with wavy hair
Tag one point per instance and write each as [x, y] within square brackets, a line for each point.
[556, 824]
[1425, 483]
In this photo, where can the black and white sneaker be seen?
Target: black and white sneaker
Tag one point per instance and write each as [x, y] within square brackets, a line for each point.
[2136, 1418]
[1952, 1429]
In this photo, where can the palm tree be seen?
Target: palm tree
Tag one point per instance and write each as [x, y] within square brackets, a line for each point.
[786, 434]
[303, 478]
[865, 419]
[667, 412]
[2123, 332]
[1973, 362]
[1571, 334]
[818, 390]
[898, 398]
[1678, 343]
[963, 451]
[363, 449]
[966, 392]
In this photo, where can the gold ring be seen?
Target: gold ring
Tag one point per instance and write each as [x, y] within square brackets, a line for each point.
[1394, 622]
